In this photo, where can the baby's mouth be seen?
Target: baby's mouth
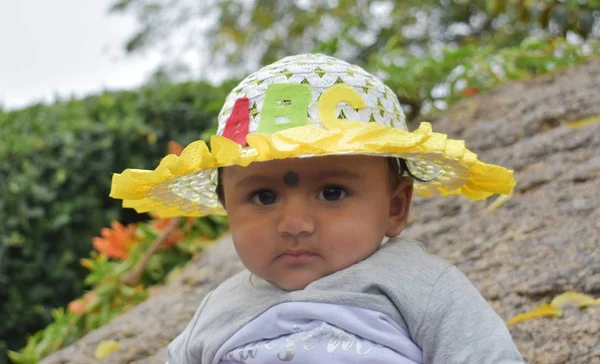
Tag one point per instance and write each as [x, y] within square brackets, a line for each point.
[297, 256]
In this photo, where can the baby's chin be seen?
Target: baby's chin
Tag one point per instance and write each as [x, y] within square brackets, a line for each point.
[290, 286]
[294, 283]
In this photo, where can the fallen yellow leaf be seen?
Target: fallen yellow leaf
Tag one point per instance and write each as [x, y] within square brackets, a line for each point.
[572, 299]
[583, 122]
[105, 348]
[540, 311]
[595, 302]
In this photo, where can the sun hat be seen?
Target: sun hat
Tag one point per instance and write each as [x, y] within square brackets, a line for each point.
[307, 105]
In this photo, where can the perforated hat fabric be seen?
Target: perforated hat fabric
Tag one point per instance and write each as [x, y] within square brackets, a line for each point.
[320, 72]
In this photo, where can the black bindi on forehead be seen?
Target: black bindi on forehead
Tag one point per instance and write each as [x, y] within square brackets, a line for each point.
[291, 179]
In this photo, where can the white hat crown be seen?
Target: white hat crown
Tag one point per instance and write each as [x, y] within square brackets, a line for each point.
[320, 72]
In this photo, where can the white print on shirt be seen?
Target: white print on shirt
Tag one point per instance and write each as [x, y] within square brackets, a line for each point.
[308, 341]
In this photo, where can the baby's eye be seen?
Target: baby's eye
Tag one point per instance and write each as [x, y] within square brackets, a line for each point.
[264, 197]
[332, 193]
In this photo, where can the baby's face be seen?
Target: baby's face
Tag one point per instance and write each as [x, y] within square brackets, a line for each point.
[294, 221]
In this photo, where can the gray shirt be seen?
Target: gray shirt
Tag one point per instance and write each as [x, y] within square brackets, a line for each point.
[435, 304]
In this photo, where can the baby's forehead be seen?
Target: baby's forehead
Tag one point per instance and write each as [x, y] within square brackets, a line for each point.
[313, 163]
[300, 170]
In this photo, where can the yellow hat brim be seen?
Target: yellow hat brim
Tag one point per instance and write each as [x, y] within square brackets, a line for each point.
[184, 185]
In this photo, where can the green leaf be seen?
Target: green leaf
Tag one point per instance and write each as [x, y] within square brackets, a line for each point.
[137, 41]
[120, 5]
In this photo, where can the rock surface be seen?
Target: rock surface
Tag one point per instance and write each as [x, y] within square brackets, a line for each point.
[544, 241]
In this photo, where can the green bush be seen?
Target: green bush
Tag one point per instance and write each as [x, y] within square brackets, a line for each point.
[430, 84]
[55, 172]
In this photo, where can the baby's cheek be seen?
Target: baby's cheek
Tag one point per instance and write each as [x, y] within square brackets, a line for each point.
[252, 246]
[250, 256]
[342, 255]
[351, 247]
[243, 244]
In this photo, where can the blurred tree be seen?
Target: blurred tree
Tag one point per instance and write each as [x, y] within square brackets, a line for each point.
[244, 34]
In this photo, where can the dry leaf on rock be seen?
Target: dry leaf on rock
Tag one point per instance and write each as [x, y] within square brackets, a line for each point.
[572, 299]
[540, 311]
[595, 302]
[105, 348]
[583, 122]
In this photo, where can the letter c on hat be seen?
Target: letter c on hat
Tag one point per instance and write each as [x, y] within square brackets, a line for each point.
[329, 101]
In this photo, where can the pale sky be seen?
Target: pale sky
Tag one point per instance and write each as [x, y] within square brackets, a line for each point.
[65, 47]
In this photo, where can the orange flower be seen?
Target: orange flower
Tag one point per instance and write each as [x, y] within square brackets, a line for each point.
[115, 242]
[160, 223]
[175, 148]
[176, 236]
[471, 91]
[79, 306]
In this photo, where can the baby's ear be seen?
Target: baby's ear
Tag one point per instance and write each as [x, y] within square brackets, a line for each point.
[399, 207]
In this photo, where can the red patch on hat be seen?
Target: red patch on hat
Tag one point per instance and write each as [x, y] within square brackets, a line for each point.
[236, 127]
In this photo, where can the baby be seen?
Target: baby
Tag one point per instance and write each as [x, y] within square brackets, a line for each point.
[315, 168]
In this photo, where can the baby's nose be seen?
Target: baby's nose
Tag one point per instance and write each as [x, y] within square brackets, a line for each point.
[296, 219]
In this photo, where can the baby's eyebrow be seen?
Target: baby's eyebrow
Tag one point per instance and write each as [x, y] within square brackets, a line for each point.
[253, 180]
[338, 173]
[330, 173]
